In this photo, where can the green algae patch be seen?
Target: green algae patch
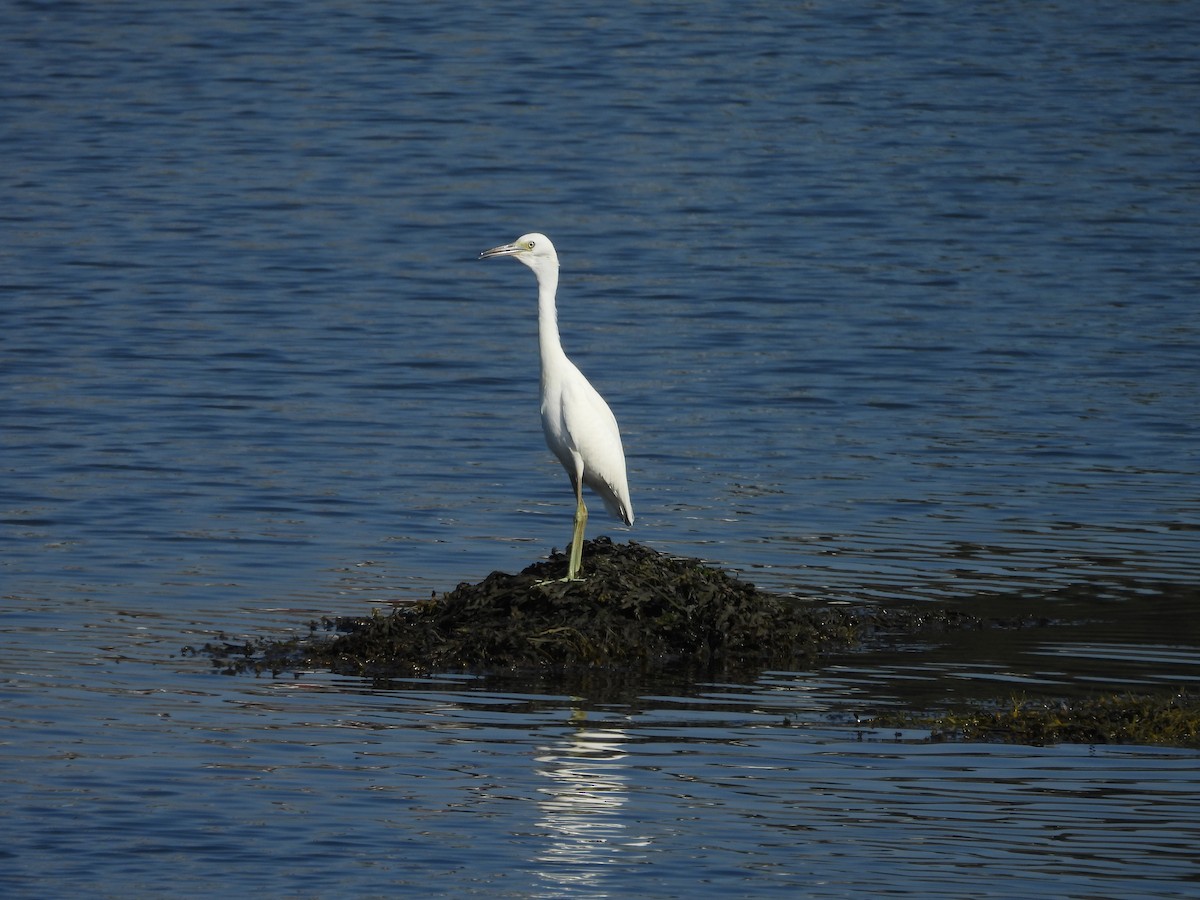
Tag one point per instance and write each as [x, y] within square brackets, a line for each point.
[1171, 720]
[634, 608]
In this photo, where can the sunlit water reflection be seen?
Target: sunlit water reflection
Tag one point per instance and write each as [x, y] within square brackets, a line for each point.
[583, 813]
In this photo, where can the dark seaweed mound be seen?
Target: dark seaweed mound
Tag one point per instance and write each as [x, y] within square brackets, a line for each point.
[635, 607]
[639, 616]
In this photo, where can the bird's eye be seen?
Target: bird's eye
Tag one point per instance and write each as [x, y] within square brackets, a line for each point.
[530, 245]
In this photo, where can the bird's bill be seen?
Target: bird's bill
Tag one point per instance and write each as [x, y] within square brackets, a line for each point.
[502, 250]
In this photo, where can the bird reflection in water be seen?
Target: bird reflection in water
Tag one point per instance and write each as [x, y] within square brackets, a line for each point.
[583, 808]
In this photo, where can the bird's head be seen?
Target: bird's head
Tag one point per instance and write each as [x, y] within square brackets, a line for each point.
[533, 249]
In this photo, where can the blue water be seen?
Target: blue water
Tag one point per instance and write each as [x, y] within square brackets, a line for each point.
[891, 302]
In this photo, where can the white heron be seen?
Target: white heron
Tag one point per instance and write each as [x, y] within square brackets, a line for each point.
[580, 429]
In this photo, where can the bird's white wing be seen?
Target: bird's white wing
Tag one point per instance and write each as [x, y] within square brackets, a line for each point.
[592, 432]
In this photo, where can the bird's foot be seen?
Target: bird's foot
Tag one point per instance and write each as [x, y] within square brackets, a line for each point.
[564, 580]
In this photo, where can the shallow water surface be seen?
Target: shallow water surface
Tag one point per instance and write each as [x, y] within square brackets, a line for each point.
[892, 303]
[321, 785]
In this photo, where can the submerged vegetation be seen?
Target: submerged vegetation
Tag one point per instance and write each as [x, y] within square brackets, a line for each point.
[1115, 719]
[640, 613]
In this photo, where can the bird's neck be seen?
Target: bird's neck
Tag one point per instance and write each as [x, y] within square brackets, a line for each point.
[551, 346]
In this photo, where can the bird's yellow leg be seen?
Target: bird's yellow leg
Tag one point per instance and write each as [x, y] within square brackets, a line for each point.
[577, 540]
